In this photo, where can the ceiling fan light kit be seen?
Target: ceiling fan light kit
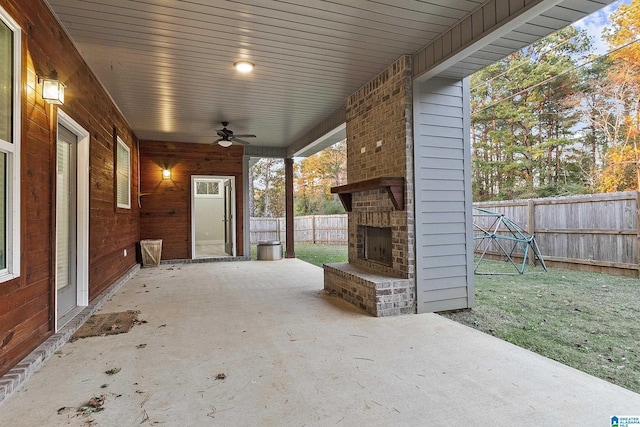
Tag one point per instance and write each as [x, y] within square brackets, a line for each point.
[226, 137]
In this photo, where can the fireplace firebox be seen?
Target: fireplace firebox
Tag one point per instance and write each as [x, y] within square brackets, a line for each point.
[376, 244]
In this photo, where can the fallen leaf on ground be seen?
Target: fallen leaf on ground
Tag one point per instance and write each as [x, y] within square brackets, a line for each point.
[221, 376]
[96, 401]
[141, 346]
[112, 371]
[85, 411]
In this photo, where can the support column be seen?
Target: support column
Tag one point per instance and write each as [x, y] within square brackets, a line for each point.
[442, 159]
[288, 183]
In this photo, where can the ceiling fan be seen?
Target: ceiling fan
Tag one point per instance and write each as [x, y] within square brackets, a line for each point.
[226, 137]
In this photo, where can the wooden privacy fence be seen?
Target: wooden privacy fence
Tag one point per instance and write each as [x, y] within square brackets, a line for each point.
[327, 229]
[597, 232]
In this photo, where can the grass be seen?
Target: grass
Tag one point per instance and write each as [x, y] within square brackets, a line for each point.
[315, 254]
[584, 320]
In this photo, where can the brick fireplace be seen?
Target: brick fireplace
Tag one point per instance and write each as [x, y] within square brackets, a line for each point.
[380, 274]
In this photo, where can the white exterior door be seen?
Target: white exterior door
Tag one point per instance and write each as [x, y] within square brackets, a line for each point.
[71, 249]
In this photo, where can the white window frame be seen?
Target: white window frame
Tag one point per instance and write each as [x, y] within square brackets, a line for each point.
[121, 143]
[12, 151]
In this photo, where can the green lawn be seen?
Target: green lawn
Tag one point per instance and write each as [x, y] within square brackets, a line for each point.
[315, 254]
[585, 320]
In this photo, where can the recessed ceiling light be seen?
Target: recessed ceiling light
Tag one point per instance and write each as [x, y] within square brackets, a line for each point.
[244, 66]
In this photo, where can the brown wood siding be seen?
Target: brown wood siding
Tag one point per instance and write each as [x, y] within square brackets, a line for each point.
[26, 302]
[166, 204]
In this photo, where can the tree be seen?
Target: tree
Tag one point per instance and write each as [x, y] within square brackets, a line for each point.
[315, 175]
[620, 117]
[268, 188]
[620, 170]
[523, 111]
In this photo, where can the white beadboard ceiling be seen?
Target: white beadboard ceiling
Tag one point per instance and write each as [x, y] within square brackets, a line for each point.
[168, 64]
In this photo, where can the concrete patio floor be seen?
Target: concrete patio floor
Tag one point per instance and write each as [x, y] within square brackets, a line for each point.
[294, 356]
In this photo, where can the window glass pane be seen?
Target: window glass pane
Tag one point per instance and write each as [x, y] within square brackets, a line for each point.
[208, 187]
[3, 211]
[6, 82]
[122, 176]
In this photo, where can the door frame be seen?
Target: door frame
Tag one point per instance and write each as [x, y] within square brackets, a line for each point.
[233, 210]
[82, 215]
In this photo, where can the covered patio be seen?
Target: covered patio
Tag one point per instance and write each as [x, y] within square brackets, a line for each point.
[294, 355]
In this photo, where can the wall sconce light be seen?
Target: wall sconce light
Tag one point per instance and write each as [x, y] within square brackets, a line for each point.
[166, 173]
[52, 88]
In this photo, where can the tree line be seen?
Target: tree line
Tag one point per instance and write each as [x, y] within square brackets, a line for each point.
[313, 178]
[554, 119]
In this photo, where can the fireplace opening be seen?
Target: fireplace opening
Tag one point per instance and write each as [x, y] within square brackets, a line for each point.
[377, 244]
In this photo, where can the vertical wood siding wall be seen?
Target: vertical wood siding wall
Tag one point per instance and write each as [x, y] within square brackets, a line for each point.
[166, 204]
[444, 244]
[597, 232]
[26, 303]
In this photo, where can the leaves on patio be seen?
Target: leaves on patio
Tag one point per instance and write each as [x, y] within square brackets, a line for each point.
[95, 404]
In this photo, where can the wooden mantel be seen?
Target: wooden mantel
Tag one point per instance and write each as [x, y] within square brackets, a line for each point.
[393, 185]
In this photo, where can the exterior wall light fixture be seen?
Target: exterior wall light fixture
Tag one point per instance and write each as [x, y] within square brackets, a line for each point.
[166, 173]
[52, 89]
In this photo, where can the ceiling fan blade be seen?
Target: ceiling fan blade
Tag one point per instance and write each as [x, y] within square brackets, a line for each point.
[248, 135]
[239, 141]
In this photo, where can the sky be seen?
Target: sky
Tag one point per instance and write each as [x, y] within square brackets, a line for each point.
[596, 22]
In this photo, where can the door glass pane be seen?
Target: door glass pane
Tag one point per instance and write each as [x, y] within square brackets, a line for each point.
[64, 202]
[3, 211]
[6, 82]
[62, 216]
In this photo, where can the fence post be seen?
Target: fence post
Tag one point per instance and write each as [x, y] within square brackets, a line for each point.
[313, 229]
[638, 230]
[531, 216]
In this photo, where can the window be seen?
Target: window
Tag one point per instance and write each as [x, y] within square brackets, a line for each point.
[10, 84]
[123, 175]
[208, 188]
